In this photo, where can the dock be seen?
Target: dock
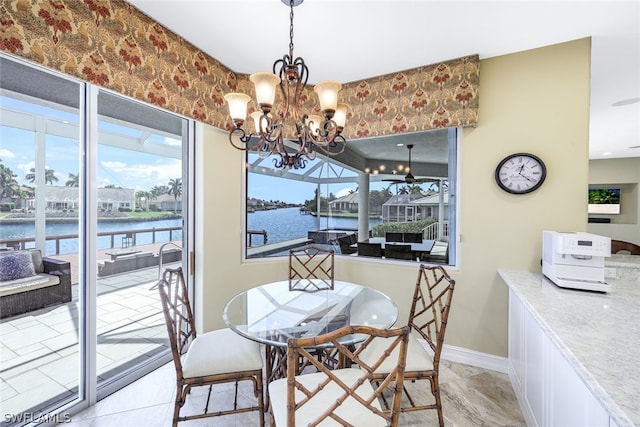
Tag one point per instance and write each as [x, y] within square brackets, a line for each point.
[274, 248]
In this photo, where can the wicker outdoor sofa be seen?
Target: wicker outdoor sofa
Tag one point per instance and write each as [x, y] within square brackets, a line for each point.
[29, 281]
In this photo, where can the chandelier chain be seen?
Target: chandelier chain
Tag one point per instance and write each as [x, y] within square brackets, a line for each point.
[291, 30]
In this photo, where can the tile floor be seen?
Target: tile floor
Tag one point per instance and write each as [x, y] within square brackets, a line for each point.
[39, 352]
[471, 397]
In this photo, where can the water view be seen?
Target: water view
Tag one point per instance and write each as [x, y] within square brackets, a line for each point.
[280, 225]
[27, 229]
[289, 223]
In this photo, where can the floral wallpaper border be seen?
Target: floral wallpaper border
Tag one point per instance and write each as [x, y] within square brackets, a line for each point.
[112, 44]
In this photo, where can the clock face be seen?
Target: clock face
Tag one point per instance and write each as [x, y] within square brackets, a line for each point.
[520, 173]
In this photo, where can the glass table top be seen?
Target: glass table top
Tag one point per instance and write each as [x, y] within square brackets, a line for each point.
[271, 313]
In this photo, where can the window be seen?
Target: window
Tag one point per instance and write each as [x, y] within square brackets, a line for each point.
[323, 202]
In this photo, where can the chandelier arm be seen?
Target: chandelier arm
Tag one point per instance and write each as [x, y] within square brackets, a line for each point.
[327, 131]
[245, 139]
[272, 130]
[337, 146]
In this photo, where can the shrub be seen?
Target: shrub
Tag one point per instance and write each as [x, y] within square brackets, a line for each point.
[379, 230]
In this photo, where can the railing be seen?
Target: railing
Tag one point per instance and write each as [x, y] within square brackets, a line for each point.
[251, 233]
[430, 232]
[160, 251]
[22, 243]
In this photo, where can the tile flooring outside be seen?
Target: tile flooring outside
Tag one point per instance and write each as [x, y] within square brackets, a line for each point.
[39, 352]
[471, 397]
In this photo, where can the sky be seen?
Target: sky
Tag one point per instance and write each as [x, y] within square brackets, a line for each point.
[116, 166]
[128, 168]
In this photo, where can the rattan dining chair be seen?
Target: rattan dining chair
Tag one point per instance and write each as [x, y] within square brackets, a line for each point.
[310, 269]
[344, 396]
[622, 247]
[428, 319]
[208, 359]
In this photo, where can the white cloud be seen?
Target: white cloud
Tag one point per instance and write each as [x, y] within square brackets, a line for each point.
[115, 166]
[25, 168]
[142, 176]
[6, 154]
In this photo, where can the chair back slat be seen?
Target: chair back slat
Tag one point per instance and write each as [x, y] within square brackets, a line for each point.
[177, 313]
[370, 249]
[431, 305]
[303, 347]
[311, 269]
[396, 251]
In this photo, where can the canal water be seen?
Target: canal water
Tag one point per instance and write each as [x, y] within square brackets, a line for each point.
[67, 246]
[280, 225]
[289, 223]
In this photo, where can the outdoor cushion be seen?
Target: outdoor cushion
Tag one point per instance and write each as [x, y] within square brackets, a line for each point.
[221, 351]
[16, 265]
[38, 265]
[10, 287]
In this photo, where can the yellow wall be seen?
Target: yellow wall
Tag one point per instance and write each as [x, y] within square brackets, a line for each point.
[535, 101]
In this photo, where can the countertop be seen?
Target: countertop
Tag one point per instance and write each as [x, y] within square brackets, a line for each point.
[598, 334]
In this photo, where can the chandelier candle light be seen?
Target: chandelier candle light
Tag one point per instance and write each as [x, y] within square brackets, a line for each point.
[308, 132]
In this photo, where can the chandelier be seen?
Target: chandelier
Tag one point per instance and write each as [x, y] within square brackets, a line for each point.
[306, 134]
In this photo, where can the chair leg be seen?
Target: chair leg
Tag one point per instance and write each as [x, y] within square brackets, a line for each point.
[206, 405]
[235, 397]
[260, 396]
[435, 389]
[177, 405]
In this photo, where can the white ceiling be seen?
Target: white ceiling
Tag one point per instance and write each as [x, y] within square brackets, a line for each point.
[348, 40]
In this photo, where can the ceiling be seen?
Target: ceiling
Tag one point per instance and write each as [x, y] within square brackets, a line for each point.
[348, 40]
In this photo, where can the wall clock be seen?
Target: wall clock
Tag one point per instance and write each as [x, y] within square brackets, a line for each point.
[520, 173]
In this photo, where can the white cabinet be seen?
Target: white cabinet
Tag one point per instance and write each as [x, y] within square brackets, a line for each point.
[549, 390]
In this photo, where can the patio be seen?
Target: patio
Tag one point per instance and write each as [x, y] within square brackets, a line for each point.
[39, 350]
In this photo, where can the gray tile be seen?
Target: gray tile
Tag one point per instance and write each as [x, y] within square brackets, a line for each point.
[477, 397]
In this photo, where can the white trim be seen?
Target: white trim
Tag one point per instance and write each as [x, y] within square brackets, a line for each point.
[472, 358]
[475, 358]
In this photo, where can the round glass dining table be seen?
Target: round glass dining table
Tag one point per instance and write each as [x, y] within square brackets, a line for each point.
[271, 314]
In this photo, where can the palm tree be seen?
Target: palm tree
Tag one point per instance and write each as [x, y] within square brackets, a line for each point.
[73, 181]
[175, 188]
[415, 189]
[143, 198]
[49, 176]
[8, 183]
[159, 190]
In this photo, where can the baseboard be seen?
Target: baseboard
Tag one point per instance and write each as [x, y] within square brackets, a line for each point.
[474, 358]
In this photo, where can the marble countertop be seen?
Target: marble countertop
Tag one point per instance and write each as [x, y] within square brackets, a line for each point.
[623, 267]
[598, 334]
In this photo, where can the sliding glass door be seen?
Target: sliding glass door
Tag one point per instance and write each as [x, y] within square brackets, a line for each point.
[98, 184]
[139, 180]
[39, 211]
